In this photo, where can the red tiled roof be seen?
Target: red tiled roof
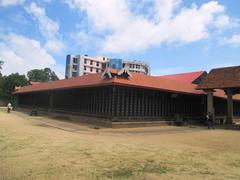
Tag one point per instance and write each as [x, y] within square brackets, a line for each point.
[221, 78]
[75, 82]
[153, 82]
[34, 82]
[137, 80]
[184, 77]
[114, 71]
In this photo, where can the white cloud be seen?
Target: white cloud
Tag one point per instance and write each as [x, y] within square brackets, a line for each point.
[21, 54]
[54, 45]
[48, 28]
[165, 22]
[10, 2]
[164, 9]
[222, 21]
[107, 14]
[234, 40]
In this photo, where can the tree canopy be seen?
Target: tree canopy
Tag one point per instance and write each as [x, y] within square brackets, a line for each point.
[42, 75]
[8, 84]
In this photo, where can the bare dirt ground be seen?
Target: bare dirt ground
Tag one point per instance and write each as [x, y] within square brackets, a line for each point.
[43, 148]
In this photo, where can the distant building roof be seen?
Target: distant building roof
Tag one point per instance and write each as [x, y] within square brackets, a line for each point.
[185, 77]
[222, 78]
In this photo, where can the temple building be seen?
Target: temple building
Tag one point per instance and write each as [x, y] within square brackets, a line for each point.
[119, 96]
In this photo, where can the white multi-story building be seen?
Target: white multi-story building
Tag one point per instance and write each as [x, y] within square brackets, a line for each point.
[137, 66]
[78, 65]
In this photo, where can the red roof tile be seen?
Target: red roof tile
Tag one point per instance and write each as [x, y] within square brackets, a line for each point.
[221, 78]
[184, 77]
[34, 82]
[137, 80]
[75, 82]
[153, 82]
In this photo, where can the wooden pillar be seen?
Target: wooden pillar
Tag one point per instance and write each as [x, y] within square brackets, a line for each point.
[117, 101]
[229, 106]
[123, 101]
[131, 108]
[210, 107]
[142, 102]
[50, 102]
[163, 105]
[159, 105]
[113, 107]
[110, 101]
[134, 102]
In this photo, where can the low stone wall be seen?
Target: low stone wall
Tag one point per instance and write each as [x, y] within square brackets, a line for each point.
[141, 124]
[69, 117]
[104, 122]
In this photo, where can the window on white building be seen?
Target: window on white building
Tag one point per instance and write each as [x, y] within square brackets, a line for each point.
[91, 62]
[74, 74]
[75, 67]
[75, 60]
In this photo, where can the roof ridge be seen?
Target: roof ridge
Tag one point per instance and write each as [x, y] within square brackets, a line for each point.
[182, 73]
[225, 67]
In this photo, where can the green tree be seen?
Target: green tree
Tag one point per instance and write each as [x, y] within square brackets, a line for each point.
[8, 84]
[42, 75]
[51, 74]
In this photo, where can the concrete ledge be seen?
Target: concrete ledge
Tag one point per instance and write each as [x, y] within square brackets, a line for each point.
[141, 124]
[68, 117]
[103, 121]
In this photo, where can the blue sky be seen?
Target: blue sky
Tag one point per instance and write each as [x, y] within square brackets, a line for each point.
[173, 36]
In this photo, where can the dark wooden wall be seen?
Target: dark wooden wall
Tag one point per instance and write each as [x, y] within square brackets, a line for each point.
[118, 102]
[144, 103]
[85, 101]
[40, 99]
[220, 106]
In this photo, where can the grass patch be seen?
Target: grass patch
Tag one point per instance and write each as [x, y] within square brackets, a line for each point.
[152, 167]
[132, 171]
[236, 164]
[122, 173]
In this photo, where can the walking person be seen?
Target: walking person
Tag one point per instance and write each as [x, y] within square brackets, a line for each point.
[9, 107]
[210, 120]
